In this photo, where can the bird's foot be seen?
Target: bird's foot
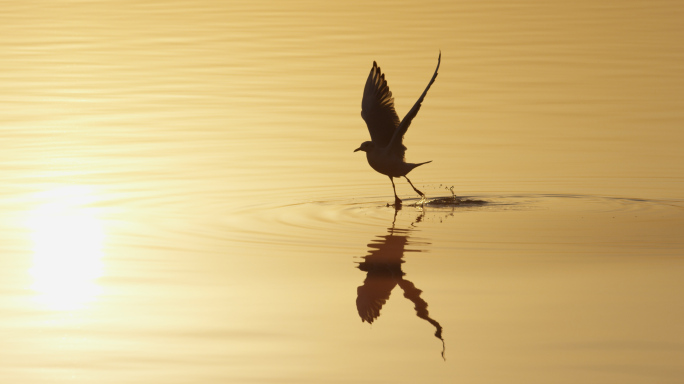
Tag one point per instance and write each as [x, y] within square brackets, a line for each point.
[423, 200]
[397, 201]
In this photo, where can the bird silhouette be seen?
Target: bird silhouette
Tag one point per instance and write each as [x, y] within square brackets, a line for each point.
[386, 151]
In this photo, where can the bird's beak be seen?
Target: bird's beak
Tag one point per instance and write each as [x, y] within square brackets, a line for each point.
[357, 149]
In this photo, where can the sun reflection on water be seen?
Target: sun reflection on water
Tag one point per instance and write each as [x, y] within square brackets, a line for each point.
[67, 245]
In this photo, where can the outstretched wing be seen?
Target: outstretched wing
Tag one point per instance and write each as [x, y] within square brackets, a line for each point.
[377, 108]
[396, 144]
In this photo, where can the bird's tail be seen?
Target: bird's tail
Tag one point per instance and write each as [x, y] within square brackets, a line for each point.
[413, 165]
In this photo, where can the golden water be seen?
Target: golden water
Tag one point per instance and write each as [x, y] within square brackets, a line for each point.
[180, 202]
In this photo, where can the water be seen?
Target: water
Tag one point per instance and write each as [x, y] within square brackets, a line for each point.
[181, 203]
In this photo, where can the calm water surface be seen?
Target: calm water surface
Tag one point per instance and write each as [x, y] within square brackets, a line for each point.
[180, 202]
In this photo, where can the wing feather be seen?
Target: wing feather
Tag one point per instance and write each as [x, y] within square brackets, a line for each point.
[377, 108]
[396, 144]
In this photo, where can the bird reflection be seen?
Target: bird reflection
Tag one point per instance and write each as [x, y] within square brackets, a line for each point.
[383, 272]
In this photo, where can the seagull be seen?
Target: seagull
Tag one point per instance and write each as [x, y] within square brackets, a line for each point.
[385, 152]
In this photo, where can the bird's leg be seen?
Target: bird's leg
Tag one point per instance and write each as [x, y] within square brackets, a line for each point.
[422, 195]
[397, 200]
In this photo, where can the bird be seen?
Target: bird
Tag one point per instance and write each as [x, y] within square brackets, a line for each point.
[385, 151]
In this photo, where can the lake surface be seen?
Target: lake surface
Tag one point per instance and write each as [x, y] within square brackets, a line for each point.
[180, 202]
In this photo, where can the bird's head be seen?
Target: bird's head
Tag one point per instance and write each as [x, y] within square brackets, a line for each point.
[366, 146]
